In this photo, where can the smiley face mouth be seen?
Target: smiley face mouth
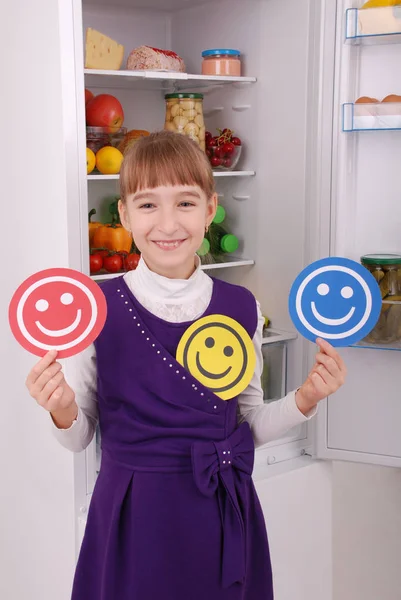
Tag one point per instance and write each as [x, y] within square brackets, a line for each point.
[207, 373]
[60, 332]
[333, 322]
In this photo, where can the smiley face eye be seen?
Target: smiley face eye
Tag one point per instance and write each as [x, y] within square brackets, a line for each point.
[42, 305]
[323, 289]
[209, 342]
[347, 292]
[228, 351]
[67, 299]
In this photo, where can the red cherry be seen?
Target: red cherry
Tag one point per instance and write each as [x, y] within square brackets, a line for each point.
[208, 153]
[228, 148]
[219, 152]
[208, 135]
[215, 161]
[211, 143]
[236, 141]
[227, 162]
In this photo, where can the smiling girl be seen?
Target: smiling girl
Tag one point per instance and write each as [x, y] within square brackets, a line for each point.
[174, 514]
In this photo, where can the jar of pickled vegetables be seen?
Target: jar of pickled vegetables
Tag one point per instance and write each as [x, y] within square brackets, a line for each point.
[386, 269]
[184, 114]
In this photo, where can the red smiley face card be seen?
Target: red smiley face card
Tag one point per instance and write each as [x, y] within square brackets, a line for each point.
[57, 309]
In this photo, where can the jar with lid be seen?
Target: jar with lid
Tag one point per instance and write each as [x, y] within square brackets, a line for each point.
[184, 114]
[386, 269]
[221, 61]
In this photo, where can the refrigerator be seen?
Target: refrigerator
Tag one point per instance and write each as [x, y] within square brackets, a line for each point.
[311, 181]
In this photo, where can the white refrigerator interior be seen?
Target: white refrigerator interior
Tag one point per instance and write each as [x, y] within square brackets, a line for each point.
[303, 189]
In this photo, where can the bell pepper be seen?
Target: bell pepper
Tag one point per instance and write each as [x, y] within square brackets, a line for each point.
[112, 236]
[93, 225]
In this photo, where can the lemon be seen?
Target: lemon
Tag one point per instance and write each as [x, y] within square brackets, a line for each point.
[381, 3]
[90, 160]
[108, 160]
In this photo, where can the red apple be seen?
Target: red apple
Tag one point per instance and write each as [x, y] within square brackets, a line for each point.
[88, 96]
[105, 111]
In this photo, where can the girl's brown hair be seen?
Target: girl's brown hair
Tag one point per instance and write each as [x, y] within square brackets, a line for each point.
[165, 158]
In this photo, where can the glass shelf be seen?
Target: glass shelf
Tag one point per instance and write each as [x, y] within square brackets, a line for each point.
[386, 335]
[158, 80]
[98, 177]
[373, 25]
[380, 116]
[226, 264]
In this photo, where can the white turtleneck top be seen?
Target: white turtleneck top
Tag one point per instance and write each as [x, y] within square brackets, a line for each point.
[177, 301]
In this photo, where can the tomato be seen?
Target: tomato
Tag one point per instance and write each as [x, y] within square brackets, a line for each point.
[102, 253]
[131, 261]
[95, 263]
[215, 161]
[236, 141]
[123, 254]
[113, 263]
[228, 148]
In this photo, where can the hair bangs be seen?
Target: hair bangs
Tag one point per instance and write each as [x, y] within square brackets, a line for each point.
[165, 158]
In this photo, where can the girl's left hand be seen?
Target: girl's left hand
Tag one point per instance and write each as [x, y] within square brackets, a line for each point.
[327, 375]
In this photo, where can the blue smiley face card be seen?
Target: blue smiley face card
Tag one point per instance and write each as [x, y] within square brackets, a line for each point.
[336, 299]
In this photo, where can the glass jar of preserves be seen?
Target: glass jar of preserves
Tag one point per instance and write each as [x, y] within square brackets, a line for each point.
[221, 61]
[184, 114]
[386, 269]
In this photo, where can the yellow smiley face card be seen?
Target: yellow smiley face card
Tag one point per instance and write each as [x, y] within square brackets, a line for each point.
[219, 353]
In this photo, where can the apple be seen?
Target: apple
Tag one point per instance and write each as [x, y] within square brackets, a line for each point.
[105, 111]
[88, 96]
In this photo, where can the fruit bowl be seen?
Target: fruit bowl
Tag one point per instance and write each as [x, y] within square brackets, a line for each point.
[221, 161]
[223, 150]
[98, 137]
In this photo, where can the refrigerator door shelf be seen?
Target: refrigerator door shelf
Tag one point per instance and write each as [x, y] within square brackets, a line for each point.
[380, 116]
[373, 25]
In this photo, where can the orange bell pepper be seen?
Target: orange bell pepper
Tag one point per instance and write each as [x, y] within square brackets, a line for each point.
[112, 236]
[93, 225]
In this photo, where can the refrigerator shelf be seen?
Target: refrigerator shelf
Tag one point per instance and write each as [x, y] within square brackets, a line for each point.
[373, 25]
[158, 80]
[380, 116]
[228, 263]
[274, 336]
[394, 346]
[98, 177]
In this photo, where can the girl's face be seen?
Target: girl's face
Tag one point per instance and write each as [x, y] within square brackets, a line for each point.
[168, 226]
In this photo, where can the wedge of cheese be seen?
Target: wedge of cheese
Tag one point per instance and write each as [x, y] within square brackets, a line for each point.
[101, 52]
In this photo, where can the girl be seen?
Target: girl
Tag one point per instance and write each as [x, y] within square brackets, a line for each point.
[174, 514]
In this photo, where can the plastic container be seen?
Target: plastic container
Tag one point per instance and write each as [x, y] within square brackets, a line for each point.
[221, 61]
[184, 114]
[98, 137]
[386, 269]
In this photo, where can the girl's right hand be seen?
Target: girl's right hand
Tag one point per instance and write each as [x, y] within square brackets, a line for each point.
[46, 384]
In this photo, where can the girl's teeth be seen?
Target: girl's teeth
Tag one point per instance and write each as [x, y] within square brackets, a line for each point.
[168, 244]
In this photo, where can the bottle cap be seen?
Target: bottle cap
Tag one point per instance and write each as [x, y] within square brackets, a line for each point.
[205, 248]
[220, 215]
[229, 243]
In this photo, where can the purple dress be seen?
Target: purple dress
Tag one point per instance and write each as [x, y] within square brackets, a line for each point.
[174, 514]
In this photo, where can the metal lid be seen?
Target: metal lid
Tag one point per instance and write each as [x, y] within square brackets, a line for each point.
[183, 95]
[381, 259]
[219, 51]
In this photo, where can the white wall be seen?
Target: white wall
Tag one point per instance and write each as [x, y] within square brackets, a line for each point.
[366, 532]
[36, 488]
[298, 507]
